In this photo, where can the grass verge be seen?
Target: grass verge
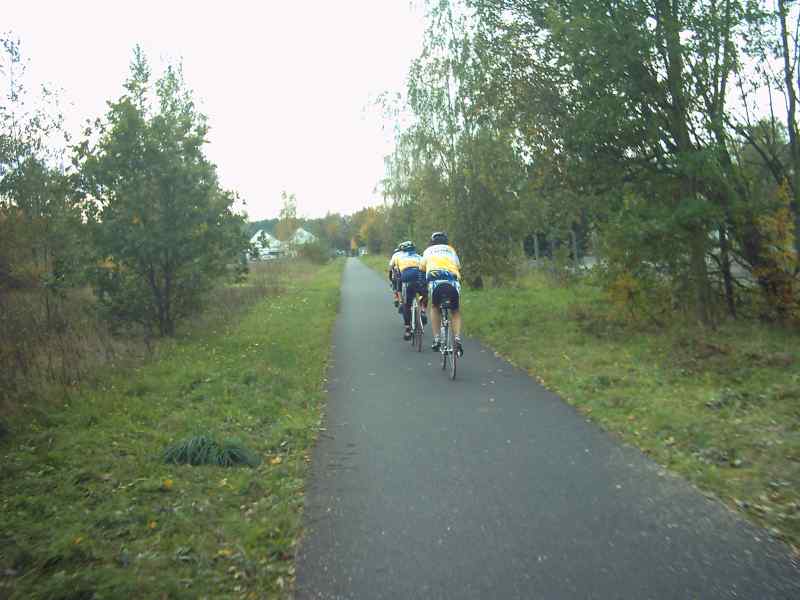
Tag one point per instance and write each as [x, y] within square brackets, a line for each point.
[720, 408]
[92, 510]
[50, 343]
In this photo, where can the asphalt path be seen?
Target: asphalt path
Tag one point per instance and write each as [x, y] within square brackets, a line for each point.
[490, 486]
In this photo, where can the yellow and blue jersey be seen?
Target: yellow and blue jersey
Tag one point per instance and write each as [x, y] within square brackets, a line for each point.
[440, 261]
[408, 265]
[405, 260]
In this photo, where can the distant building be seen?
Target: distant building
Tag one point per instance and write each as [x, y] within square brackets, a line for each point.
[302, 237]
[267, 246]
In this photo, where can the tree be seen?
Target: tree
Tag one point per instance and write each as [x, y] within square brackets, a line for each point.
[287, 221]
[632, 97]
[163, 228]
[456, 167]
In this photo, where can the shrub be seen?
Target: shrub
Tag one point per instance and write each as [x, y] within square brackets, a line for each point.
[317, 252]
[203, 450]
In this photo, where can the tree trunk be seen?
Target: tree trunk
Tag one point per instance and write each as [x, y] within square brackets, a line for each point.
[169, 317]
[668, 17]
[725, 265]
[699, 277]
[576, 258]
[158, 297]
[789, 65]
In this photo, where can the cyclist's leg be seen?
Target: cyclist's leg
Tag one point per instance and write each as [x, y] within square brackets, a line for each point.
[396, 287]
[454, 295]
[455, 319]
[422, 290]
[436, 316]
[423, 304]
[455, 301]
[408, 297]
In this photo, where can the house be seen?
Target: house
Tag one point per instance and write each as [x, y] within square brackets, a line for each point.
[267, 246]
[302, 237]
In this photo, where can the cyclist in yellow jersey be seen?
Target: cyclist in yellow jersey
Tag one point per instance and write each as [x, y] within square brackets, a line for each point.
[412, 281]
[443, 271]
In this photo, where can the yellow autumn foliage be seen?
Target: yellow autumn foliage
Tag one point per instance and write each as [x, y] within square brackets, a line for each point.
[624, 291]
[780, 258]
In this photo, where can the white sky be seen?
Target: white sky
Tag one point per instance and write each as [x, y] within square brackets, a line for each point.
[287, 86]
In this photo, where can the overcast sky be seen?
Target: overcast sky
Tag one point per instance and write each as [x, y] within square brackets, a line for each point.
[287, 86]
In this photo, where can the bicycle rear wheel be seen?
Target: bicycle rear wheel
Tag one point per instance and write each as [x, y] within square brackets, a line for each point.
[451, 345]
[443, 346]
[418, 331]
[413, 321]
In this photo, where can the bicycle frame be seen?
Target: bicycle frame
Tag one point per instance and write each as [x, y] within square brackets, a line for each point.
[447, 346]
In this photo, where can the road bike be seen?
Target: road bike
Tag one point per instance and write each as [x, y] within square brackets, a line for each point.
[447, 341]
[417, 329]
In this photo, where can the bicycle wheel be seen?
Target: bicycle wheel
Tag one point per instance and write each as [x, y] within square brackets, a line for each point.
[418, 331]
[451, 345]
[443, 343]
[413, 321]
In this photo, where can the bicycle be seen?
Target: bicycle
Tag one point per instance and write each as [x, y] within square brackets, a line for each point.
[417, 329]
[447, 340]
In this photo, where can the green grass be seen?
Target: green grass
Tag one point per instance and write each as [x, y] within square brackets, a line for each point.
[90, 508]
[378, 262]
[720, 408]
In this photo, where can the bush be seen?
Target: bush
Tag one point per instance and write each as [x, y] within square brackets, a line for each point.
[203, 450]
[317, 252]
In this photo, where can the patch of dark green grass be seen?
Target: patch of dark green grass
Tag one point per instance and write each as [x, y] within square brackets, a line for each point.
[204, 450]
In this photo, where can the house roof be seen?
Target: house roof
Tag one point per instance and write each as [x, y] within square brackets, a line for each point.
[301, 236]
[269, 240]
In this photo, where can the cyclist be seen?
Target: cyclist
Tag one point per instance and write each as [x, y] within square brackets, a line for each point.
[394, 277]
[442, 272]
[412, 281]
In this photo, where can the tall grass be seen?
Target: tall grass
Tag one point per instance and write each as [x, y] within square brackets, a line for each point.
[51, 343]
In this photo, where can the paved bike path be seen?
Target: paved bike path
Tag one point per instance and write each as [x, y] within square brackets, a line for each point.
[492, 487]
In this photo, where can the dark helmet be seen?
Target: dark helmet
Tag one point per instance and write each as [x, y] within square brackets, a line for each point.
[407, 246]
[438, 237]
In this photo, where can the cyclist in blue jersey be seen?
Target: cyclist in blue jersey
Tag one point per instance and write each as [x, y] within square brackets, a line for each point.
[412, 280]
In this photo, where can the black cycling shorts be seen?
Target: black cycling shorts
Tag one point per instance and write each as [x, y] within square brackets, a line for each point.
[445, 289]
[414, 287]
